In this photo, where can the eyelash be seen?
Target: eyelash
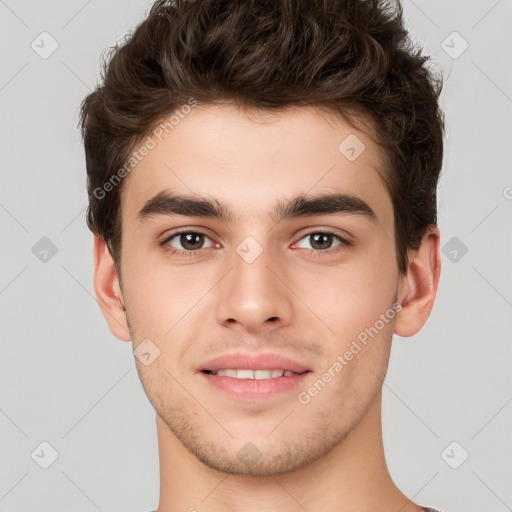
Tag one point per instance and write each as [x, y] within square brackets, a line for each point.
[313, 252]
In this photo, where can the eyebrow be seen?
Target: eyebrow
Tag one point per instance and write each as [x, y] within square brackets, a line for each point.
[168, 203]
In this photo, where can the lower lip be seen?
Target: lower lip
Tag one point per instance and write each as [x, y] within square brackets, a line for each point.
[255, 388]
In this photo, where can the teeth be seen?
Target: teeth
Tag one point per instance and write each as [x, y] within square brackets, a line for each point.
[244, 374]
[253, 374]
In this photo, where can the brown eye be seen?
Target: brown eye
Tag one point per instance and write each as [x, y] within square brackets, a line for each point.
[321, 243]
[187, 241]
[322, 240]
[191, 241]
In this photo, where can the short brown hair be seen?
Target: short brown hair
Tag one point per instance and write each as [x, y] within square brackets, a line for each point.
[353, 57]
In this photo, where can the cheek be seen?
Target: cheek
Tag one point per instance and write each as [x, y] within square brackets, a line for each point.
[148, 293]
[163, 298]
[350, 297]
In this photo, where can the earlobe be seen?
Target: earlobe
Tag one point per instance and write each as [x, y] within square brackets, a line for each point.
[108, 291]
[418, 287]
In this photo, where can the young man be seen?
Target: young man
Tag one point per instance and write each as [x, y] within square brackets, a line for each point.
[262, 181]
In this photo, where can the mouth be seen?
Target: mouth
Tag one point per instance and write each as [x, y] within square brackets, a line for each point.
[251, 376]
[252, 385]
[242, 374]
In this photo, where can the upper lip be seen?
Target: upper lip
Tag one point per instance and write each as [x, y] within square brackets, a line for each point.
[263, 361]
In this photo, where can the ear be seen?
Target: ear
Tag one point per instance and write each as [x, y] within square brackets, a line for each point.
[108, 291]
[418, 287]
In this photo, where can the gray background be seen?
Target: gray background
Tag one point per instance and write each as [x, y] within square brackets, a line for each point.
[67, 381]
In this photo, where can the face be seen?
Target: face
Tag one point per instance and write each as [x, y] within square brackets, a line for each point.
[287, 288]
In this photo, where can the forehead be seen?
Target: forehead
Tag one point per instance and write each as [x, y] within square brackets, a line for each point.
[248, 160]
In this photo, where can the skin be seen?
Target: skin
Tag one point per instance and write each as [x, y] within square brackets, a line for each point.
[324, 455]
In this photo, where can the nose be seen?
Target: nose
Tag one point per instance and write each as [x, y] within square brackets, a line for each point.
[254, 296]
